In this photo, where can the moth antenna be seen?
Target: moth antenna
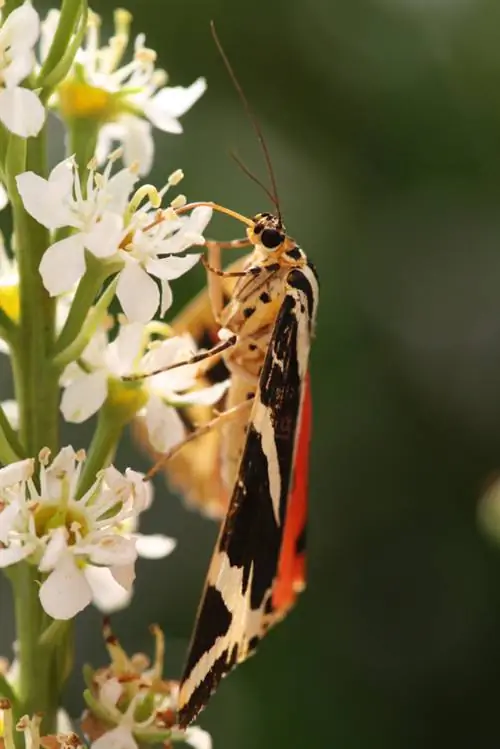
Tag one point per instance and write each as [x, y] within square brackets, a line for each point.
[252, 118]
[255, 179]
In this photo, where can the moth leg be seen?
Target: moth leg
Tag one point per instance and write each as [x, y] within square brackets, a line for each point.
[212, 424]
[202, 356]
[213, 265]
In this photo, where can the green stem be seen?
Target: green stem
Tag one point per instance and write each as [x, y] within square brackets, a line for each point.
[37, 393]
[8, 328]
[86, 294]
[110, 424]
[36, 381]
[10, 447]
[40, 681]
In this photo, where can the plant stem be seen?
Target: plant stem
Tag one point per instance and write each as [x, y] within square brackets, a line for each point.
[102, 448]
[40, 681]
[37, 393]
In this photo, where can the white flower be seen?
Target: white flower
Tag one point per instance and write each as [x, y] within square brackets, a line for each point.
[58, 202]
[20, 109]
[68, 538]
[86, 388]
[129, 97]
[114, 228]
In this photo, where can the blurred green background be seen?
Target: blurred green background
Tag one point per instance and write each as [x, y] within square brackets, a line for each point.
[383, 121]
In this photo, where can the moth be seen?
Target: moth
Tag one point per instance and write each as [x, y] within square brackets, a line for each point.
[265, 312]
[257, 568]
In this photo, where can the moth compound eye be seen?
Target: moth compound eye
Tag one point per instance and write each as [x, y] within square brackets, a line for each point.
[271, 238]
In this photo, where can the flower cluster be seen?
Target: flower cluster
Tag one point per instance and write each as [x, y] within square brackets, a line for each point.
[97, 376]
[126, 99]
[117, 228]
[85, 547]
[87, 234]
[129, 702]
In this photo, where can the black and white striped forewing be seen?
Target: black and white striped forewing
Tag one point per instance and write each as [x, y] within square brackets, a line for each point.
[239, 583]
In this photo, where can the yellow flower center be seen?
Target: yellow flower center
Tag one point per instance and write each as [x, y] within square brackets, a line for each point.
[50, 516]
[9, 301]
[128, 398]
[81, 100]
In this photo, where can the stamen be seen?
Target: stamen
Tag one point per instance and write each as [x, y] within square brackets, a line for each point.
[44, 456]
[178, 202]
[146, 191]
[175, 177]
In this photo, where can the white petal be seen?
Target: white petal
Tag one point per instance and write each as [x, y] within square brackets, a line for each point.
[16, 472]
[62, 265]
[43, 199]
[55, 549]
[137, 142]
[142, 490]
[110, 692]
[154, 546]
[21, 111]
[161, 119]
[205, 396]
[20, 66]
[118, 738]
[198, 738]
[138, 293]
[14, 554]
[104, 238]
[22, 26]
[170, 351]
[118, 190]
[61, 177]
[107, 135]
[114, 550]
[84, 397]
[190, 234]
[172, 102]
[4, 198]
[64, 723]
[125, 349]
[200, 218]
[48, 30]
[66, 591]
[8, 517]
[170, 268]
[107, 594]
[124, 575]
[167, 297]
[11, 410]
[164, 425]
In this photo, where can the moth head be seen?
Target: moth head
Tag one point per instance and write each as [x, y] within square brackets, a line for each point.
[268, 233]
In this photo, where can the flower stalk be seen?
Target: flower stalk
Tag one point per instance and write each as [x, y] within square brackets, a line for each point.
[85, 237]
